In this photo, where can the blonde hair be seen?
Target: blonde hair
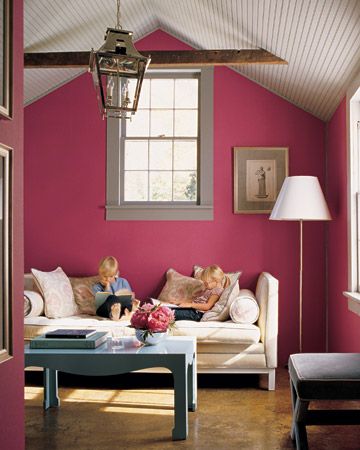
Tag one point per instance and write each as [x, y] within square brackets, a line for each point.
[108, 266]
[213, 272]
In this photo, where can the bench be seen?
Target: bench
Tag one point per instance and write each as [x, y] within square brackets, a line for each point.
[322, 376]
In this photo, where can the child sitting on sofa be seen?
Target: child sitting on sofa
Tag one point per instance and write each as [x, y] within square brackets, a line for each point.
[114, 306]
[212, 277]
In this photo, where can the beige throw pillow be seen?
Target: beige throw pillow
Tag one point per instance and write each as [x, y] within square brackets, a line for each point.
[221, 310]
[58, 295]
[83, 293]
[180, 288]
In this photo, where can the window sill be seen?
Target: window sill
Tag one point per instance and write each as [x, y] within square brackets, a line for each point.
[353, 301]
[159, 212]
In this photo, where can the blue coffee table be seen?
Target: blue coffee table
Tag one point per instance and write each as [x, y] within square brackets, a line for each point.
[177, 354]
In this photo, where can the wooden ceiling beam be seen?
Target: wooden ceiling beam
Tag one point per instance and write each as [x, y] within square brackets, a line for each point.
[159, 59]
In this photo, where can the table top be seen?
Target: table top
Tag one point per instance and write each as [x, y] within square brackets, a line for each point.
[129, 345]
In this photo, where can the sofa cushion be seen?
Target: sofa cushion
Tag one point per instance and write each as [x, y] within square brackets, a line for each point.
[221, 310]
[244, 308]
[56, 290]
[209, 332]
[180, 288]
[83, 293]
[33, 304]
[219, 332]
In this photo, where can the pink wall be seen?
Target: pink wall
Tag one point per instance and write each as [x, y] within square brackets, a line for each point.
[65, 196]
[11, 372]
[344, 329]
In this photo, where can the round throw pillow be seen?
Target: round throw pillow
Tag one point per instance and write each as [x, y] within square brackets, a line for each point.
[245, 308]
[33, 304]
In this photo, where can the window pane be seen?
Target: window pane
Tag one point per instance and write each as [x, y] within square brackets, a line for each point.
[162, 122]
[162, 93]
[136, 155]
[185, 155]
[161, 155]
[186, 122]
[161, 186]
[185, 188]
[144, 101]
[186, 93]
[136, 186]
[138, 125]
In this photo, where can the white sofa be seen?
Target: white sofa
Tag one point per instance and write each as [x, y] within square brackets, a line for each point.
[222, 347]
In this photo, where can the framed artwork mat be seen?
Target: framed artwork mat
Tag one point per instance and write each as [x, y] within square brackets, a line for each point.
[259, 173]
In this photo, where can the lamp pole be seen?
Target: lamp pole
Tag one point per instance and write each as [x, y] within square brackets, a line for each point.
[300, 198]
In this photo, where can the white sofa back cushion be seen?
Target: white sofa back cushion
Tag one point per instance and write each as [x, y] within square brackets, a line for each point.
[245, 308]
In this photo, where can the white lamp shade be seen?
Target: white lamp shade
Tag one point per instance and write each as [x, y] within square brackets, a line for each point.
[300, 198]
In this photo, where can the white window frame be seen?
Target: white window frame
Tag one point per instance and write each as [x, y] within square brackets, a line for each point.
[203, 210]
[353, 148]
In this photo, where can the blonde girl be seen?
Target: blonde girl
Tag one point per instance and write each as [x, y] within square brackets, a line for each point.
[113, 307]
[212, 277]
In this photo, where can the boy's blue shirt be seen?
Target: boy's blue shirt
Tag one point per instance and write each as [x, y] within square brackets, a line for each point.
[119, 283]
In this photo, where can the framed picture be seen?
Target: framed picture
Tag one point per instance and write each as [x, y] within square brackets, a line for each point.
[5, 252]
[259, 173]
[6, 59]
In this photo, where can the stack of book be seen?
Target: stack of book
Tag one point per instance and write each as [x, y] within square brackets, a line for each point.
[74, 339]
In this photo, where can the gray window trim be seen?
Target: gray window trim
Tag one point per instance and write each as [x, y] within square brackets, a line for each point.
[202, 211]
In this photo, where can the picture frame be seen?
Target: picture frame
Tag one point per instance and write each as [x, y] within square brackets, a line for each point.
[259, 173]
[6, 59]
[6, 342]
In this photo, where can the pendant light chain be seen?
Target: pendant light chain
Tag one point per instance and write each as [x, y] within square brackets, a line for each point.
[118, 16]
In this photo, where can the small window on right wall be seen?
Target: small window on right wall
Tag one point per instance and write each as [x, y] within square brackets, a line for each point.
[353, 113]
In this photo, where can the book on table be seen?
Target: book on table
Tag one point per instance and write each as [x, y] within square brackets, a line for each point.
[69, 334]
[91, 342]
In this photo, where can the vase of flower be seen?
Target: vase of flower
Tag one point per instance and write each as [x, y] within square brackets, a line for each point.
[149, 338]
[151, 323]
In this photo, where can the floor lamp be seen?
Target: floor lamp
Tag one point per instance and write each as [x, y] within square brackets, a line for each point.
[300, 198]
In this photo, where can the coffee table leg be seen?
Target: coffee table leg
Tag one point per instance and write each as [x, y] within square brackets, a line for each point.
[192, 385]
[180, 375]
[51, 398]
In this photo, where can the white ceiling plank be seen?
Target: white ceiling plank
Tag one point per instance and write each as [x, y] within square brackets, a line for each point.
[319, 39]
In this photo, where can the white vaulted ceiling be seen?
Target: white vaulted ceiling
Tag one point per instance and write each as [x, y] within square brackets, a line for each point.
[320, 39]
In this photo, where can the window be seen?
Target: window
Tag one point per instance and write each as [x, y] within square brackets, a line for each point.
[5, 253]
[353, 112]
[159, 164]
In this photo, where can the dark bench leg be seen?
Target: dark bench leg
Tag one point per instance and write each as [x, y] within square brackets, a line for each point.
[298, 429]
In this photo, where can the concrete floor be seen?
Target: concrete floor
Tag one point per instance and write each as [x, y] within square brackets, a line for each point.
[234, 412]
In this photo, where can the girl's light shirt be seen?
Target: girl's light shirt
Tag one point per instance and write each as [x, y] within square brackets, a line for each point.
[204, 297]
[119, 283]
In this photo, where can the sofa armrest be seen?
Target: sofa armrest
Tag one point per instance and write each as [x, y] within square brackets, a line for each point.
[267, 295]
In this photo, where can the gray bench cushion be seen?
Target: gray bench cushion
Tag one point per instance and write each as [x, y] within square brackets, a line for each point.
[326, 376]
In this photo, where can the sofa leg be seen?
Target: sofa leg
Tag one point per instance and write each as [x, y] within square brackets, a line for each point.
[271, 380]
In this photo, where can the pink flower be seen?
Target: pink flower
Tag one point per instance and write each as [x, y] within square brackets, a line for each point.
[156, 326]
[146, 307]
[156, 319]
[139, 320]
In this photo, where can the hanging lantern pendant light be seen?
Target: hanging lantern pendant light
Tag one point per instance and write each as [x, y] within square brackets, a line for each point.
[118, 70]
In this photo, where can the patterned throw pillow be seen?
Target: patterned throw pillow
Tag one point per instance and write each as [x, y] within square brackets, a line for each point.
[83, 293]
[180, 288]
[221, 310]
[58, 295]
